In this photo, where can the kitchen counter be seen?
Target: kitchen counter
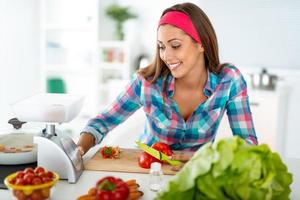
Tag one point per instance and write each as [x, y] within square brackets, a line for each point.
[66, 191]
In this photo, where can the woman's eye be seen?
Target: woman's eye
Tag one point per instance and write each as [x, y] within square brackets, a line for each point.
[161, 47]
[175, 46]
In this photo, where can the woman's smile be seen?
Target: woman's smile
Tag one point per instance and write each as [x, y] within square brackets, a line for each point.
[174, 66]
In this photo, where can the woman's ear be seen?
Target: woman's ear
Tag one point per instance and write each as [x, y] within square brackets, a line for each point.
[201, 48]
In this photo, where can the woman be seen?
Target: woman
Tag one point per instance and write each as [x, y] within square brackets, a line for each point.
[184, 92]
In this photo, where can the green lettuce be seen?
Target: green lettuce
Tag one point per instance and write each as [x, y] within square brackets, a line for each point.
[231, 169]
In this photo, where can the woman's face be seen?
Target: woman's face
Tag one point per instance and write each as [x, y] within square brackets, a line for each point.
[179, 52]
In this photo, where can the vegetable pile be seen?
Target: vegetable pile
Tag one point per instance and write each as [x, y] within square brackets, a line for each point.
[112, 188]
[231, 169]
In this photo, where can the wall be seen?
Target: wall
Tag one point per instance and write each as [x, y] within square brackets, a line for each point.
[140, 32]
[250, 33]
[257, 33]
[19, 56]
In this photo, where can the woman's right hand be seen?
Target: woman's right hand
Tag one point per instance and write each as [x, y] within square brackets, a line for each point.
[81, 150]
[86, 141]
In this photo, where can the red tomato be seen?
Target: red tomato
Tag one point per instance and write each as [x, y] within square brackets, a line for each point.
[36, 181]
[28, 178]
[38, 170]
[162, 147]
[28, 170]
[145, 160]
[20, 181]
[111, 188]
[49, 174]
[46, 179]
[37, 195]
[13, 181]
[20, 174]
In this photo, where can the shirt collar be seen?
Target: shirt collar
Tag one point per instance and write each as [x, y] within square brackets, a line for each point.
[211, 84]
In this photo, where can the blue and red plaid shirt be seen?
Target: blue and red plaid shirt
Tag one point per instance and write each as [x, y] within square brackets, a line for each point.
[225, 91]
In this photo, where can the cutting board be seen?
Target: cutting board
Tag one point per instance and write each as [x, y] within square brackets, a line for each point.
[128, 162]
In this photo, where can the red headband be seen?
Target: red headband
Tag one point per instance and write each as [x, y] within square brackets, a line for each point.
[182, 21]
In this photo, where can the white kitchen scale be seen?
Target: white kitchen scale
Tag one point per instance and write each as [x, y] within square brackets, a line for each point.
[55, 151]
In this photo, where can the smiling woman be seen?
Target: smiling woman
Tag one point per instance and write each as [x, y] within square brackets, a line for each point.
[184, 91]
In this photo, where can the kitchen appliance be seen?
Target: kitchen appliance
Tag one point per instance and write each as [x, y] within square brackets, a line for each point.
[55, 150]
[264, 80]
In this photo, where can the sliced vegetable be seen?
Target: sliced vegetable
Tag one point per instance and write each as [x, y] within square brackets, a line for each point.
[110, 152]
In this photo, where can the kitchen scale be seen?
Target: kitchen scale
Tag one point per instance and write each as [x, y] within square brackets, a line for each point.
[55, 150]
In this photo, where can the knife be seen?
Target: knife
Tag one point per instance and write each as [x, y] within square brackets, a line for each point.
[157, 154]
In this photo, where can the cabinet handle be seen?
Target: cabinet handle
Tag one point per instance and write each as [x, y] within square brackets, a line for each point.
[254, 104]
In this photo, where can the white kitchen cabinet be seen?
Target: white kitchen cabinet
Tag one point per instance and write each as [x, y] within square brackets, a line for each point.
[71, 50]
[114, 69]
[264, 106]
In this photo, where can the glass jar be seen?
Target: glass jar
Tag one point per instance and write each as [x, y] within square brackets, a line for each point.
[155, 177]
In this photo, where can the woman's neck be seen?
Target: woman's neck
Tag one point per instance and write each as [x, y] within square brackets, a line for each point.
[195, 80]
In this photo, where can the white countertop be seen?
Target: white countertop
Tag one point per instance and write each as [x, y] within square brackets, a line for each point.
[64, 190]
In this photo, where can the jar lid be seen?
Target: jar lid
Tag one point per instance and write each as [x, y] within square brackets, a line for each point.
[156, 166]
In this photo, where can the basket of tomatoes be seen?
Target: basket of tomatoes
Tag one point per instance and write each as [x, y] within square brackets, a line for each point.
[31, 183]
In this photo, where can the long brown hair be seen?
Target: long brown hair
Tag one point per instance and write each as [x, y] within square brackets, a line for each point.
[208, 38]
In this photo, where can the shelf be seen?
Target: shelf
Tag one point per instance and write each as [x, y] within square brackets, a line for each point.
[69, 27]
[62, 69]
[113, 44]
[112, 65]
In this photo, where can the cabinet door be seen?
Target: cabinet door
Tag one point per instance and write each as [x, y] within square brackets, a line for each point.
[264, 108]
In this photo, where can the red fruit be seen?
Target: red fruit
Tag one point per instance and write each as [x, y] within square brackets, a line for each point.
[49, 174]
[46, 180]
[162, 147]
[145, 160]
[36, 181]
[36, 195]
[38, 170]
[28, 170]
[20, 174]
[111, 188]
[28, 179]
[20, 181]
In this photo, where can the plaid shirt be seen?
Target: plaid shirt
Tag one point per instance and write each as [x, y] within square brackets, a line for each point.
[225, 91]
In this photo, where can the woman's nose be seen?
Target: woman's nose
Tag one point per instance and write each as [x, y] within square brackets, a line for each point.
[167, 54]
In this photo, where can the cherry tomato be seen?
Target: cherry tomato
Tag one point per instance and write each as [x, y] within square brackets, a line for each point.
[20, 174]
[49, 174]
[28, 178]
[37, 180]
[20, 181]
[28, 170]
[38, 170]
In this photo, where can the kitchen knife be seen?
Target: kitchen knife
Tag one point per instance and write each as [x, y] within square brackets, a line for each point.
[157, 154]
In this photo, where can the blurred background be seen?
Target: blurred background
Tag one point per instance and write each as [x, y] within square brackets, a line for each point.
[92, 47]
